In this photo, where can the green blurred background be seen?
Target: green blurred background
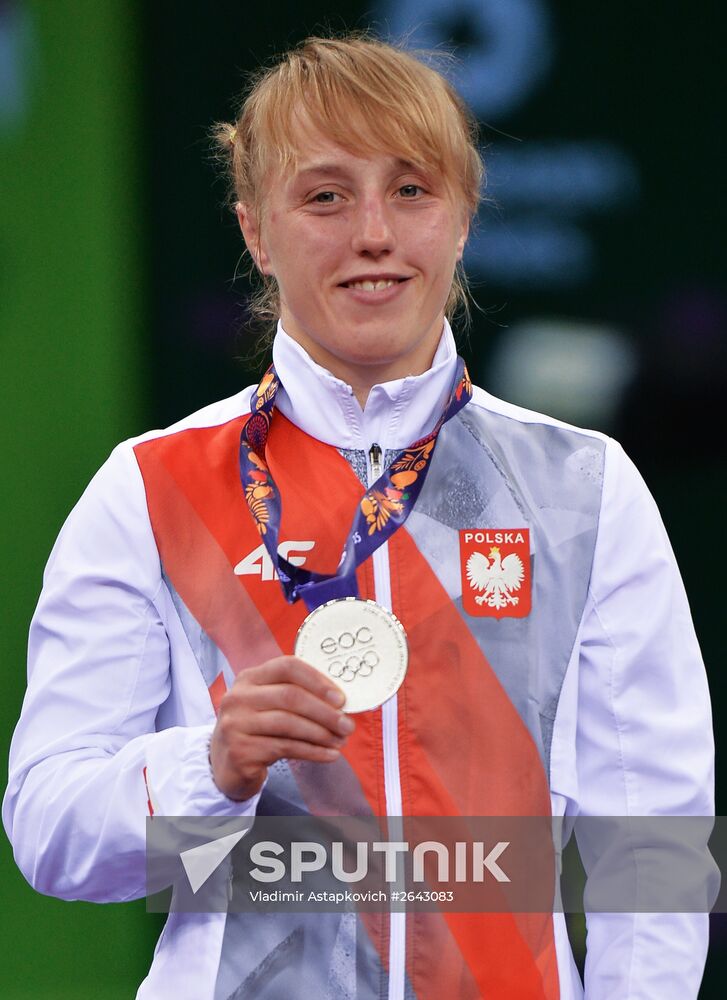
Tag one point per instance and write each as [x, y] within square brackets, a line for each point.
[597, 265]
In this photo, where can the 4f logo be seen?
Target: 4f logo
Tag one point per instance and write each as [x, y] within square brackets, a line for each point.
[495, 566]
[259, 563]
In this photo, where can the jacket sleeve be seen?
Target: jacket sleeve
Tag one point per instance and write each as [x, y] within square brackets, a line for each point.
[644, 743]
[99, 668]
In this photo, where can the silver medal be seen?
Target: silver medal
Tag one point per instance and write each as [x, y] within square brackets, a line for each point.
[361, 646]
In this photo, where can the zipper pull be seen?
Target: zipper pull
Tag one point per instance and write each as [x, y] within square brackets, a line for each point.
[375, 460]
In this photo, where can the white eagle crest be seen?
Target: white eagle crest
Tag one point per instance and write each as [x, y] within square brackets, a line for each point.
[497, 578]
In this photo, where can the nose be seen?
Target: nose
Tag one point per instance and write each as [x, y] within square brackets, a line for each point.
[373, 234]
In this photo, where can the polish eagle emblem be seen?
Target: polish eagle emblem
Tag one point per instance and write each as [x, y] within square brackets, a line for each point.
[496, 577]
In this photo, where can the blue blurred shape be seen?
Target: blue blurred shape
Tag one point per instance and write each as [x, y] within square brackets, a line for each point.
[16, 51]
[572, 176]
[504, 47]
[535, 251]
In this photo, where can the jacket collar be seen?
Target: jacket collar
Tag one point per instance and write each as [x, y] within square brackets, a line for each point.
[396, 414]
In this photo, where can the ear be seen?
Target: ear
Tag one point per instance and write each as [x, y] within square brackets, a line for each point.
[463, 237]
[250, 226]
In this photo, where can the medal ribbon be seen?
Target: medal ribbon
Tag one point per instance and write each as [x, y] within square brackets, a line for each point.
[383, 508]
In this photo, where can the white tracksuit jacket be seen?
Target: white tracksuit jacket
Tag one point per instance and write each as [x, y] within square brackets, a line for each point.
[114, 688]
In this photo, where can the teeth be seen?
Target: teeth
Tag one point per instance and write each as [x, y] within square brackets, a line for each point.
[371, 286]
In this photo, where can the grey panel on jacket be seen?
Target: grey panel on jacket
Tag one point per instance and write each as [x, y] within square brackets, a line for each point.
[493, 471]
[267, 956]
[210, 658]
[299, 955]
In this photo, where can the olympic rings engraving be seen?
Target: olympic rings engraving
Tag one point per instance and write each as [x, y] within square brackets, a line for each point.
[354, 666]
[346, 659]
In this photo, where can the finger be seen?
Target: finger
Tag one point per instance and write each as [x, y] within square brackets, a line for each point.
[289, 726]
[297, 700]
[269, 749]
[291, 670]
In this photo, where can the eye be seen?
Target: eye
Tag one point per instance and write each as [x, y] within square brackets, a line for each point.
[325, 197]
[410, 190]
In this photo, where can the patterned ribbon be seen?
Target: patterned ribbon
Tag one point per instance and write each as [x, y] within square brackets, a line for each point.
[383, 508]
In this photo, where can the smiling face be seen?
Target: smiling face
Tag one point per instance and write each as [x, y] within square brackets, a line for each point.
[363, 249]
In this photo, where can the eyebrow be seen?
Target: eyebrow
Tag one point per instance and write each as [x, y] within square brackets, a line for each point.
[321, 168]
[336, 170]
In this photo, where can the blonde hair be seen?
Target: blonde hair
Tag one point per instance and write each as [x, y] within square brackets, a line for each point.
[366, 95]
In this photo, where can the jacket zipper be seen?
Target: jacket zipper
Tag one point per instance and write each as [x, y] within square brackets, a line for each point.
[389, 725]
[375, 462]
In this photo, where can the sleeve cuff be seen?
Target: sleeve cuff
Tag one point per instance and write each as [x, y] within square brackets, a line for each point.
[179, 777]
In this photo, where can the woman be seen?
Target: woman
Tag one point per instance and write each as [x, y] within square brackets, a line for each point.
[552, 664]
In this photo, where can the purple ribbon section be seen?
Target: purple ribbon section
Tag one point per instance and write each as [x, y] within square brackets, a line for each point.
[383, 508]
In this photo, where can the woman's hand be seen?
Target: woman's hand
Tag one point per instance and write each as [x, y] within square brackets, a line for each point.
[283, 708]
